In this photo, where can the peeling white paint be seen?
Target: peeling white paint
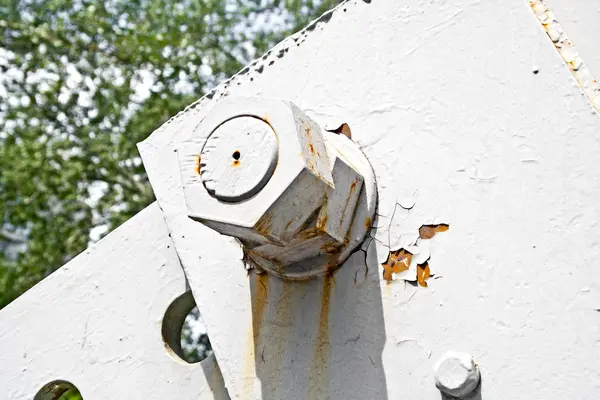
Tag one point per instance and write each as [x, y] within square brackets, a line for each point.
[567, 49]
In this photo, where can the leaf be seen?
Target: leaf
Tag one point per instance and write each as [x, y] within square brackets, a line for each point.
[397, 261]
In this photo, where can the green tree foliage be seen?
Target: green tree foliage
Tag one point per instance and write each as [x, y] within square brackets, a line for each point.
[81, 82]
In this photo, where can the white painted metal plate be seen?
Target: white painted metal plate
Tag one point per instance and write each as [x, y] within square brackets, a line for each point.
[461, 130]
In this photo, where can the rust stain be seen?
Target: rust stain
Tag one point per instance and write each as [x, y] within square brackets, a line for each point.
[259, 301]
[309, 233]
[263, 226]
[322, 221]
[236, 163]
[253, 255]
[319, 380]
[331, 248]
[345, 213]
[311, 162]
[368, 223]
[398, 261]
[258, 306]
[423, 273]
[352, 189]
[429, 231]
[197, 165]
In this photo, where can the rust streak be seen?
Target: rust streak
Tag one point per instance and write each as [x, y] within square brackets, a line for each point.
[319, 380]
[263, 226]
[352, 189]
[309, 233]
[322, 222]
[236, 163]
[331, 248]
[259, 301]
[258, 307]
[345, 211]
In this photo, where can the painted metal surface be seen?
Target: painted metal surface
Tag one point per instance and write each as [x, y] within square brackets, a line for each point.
[484, 150]
[567, 50]
[580, 20]
[470, 120]
[297, 215]
[96, 323]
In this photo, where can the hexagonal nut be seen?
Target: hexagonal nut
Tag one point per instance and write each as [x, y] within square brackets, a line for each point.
[256, 169]
[262, 171]
[456, 374]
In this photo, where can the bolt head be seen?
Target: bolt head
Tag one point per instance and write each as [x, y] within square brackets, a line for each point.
[456, 374]
[264, 172]
[255, 168]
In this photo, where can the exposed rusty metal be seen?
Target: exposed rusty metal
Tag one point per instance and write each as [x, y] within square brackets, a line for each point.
[197, 165]
[423, 273]
[398, 261]
[429, 231]
[343, 129]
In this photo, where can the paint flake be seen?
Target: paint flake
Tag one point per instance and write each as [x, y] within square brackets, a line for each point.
[429, 231]
[398, 261]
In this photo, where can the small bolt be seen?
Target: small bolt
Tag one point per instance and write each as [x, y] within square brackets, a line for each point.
[456, 374]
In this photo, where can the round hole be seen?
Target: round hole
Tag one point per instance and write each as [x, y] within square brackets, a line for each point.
[58, 390]
[236, 155]
[183, 330]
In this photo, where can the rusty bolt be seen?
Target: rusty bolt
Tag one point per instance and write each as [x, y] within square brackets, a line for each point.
[456, 374]
[296, 196]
